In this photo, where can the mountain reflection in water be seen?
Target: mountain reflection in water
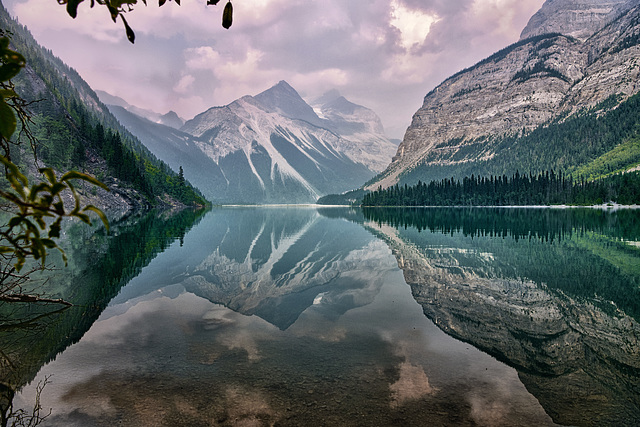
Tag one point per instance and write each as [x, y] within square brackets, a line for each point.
[290, 316]
[554, 293]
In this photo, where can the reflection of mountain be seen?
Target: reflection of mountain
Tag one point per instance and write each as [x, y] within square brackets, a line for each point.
[32, 335]
[536, 304]
[275, 263]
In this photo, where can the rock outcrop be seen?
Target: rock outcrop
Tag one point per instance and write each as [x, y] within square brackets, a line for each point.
[576, 18]
[525, 85]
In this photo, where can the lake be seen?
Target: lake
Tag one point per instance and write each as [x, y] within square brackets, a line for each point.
[289, 316]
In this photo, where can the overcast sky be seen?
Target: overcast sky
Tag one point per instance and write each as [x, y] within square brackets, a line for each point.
[383, 54]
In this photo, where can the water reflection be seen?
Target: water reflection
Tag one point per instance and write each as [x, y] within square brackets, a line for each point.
[99, 265]
[277, 316]
[554, 293]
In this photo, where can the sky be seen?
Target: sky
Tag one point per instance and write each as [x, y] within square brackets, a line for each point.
[383, 54]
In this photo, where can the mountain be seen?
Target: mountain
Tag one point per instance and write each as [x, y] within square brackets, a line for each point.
[575, 18]
[271, 148]
[170, 119]
[527, 107]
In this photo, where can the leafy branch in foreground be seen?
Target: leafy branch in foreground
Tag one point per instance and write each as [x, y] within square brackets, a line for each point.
[118, 8]
[35, 204]
[37, 209]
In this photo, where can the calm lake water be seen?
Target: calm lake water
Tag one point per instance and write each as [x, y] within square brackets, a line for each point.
[305, 316]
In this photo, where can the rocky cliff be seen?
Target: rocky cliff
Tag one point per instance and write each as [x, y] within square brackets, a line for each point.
[575, 18]
[593, 53]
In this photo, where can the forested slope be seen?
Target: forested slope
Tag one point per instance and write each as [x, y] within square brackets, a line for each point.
[75, 130]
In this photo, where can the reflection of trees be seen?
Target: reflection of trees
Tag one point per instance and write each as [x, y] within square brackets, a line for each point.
[554, 294]
[544, 224]
[33, 334]
[579, 252]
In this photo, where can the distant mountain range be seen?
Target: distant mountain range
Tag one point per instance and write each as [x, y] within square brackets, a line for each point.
[170, 119]
[560, 98]
[270, 148]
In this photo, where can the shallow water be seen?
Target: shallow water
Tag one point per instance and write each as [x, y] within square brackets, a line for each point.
[293, 316]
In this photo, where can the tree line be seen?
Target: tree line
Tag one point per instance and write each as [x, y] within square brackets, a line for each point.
[544, 188]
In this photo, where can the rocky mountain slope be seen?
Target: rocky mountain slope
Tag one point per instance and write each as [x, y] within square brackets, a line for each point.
[591, 54]
[575, 18]
[272, 147]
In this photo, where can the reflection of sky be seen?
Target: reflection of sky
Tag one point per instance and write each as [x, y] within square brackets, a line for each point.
[169, 356]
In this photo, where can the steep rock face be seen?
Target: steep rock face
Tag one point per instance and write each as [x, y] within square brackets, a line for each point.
[518, 89]
[576, 18]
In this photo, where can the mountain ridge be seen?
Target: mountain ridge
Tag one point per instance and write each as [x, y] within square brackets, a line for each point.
[515, 91]
[272, 147]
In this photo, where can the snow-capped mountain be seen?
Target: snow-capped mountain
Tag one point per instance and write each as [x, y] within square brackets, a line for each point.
[272, 147]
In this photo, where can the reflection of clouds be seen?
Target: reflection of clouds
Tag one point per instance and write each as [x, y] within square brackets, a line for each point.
[236, 331]
[413, 384]
[487, 410]
[497, 402]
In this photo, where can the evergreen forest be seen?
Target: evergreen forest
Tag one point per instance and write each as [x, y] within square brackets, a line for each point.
[592, 143]
[548, 188]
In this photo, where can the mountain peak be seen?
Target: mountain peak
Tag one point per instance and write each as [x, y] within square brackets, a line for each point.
[576, 18]
[285, 100]
[171, 119]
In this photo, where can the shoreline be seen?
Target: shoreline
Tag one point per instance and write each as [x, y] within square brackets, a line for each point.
[604, 206]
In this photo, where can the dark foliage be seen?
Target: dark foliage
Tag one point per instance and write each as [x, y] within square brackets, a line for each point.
[546, 188]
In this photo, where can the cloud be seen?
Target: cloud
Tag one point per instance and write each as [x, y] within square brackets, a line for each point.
[383, 54]
[184, 84]
[414, 25]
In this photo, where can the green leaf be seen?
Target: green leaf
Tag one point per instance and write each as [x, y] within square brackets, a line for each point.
[100, 214]
[18, 180]
[83, 176]
[8, 71]
[8, 93]
[7, 120]
[14, 221]
[113, 11]
[49, 174]
[49, 243]
[20, 261]
[54, 230]
[43, 186]
[83, 217]
[161, 2]
[58, 208]
[227, 15]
